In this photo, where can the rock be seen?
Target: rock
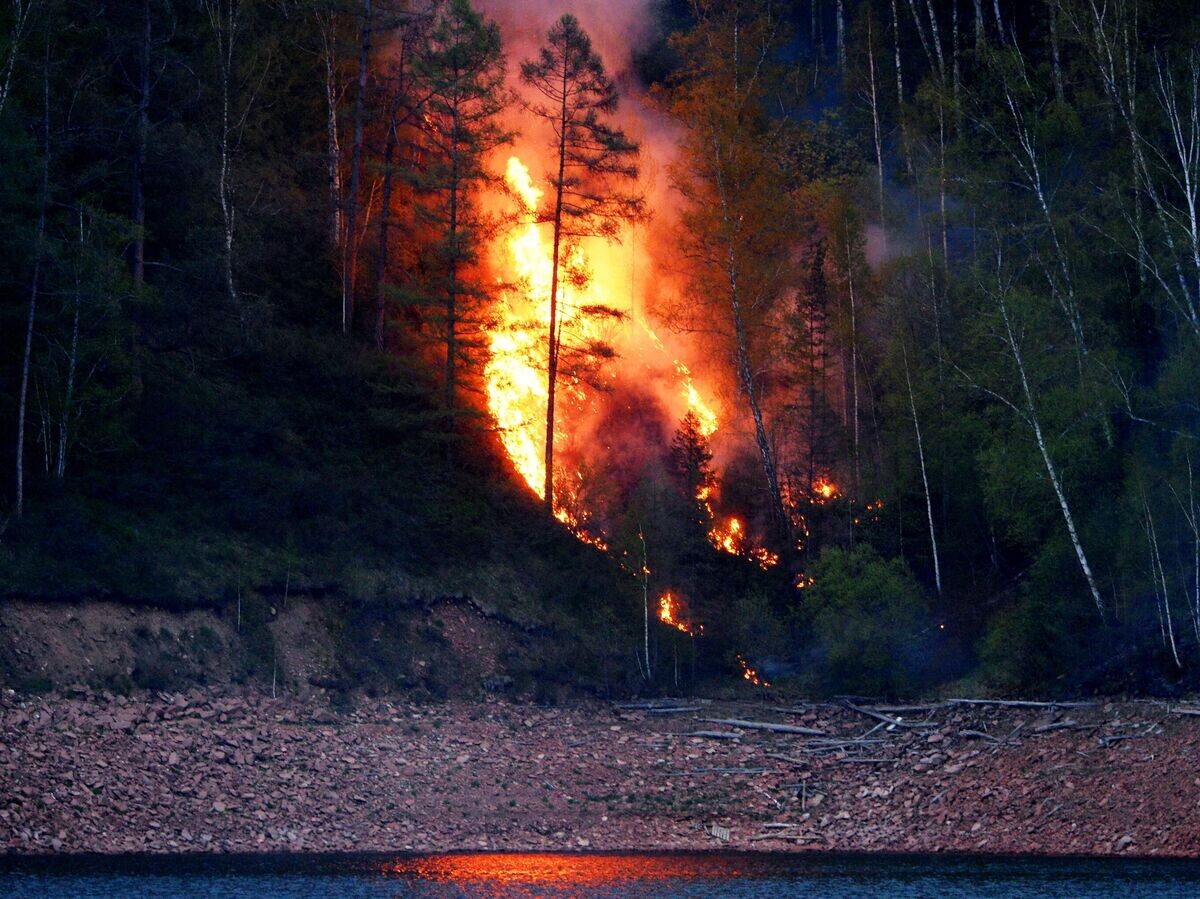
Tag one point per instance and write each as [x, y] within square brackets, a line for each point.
[1123, 843]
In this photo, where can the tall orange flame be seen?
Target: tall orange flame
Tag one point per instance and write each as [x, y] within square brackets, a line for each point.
[515, 374]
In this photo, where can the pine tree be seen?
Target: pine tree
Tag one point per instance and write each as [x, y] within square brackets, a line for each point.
[462, 76]
[594, 163]
[691, 458]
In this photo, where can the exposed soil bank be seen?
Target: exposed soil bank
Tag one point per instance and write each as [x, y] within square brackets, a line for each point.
[237, 771]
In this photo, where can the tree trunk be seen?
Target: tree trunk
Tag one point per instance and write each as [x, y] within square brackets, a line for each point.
[841, 37]
[21, 12]
[64, 424]
[853, 373]
[912, 405]
[746, 379]
[452, 286]
[552, 358]
[350, 240]
[956, 70]
[34, 288]
[1158, 577]
[139, 154]
[224, 25]
[1051, 471]
[907, 150]
[333, 144]
[381, 255]
[1055, 55]
[874, 97]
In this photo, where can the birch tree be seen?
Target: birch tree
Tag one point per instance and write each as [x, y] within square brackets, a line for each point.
[11, 48]
[226, 19]
[1025, 403]
[737, 220]
[35, 287]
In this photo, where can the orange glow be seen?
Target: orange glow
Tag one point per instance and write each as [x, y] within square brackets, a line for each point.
[824, 490]
[750, 674]
[540, 873]
[695, 403]
[515, 372]
[670, 612]
[515, 378]
[730, 537]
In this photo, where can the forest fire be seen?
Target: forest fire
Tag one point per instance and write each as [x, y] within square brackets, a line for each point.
[515, 373]
[670, 612]
[518, 342]
[824, 490]
[730, 537]
[750, 674]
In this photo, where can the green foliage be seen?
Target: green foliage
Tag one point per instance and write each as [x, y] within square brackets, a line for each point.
[871, 629]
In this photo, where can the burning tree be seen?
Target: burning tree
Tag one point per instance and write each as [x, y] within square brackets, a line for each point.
[737, 220]
[692, 459]
[592, 158]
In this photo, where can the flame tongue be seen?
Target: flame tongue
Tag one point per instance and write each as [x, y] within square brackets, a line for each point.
[670, 612]
[515, 372]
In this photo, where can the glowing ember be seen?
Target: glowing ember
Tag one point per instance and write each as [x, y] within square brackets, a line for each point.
[730, 537]
[824, 490]
[750, 674]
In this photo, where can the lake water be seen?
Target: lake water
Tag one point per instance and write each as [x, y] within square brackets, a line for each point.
[591, 875]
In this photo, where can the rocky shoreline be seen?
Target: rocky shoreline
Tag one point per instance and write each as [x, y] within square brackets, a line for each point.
[236, 771]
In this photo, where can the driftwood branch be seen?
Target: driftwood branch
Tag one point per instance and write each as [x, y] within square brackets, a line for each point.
[712, 734]
[1023, 703]
[771, 726]
[887, 719]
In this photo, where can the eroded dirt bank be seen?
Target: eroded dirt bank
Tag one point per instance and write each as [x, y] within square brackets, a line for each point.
[237, 771]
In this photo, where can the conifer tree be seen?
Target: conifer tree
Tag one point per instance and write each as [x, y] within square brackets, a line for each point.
[594, 164]
[462, 76]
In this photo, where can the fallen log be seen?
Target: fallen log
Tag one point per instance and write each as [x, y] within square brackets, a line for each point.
[887, 719]
[784, 835]
[716, 771]
[1069, 723]
[1023, 703]
[771, 726]
[803, 763]
[979, 735]
[1182, 710]
[673, 710]
[712, 734]
[648, 703]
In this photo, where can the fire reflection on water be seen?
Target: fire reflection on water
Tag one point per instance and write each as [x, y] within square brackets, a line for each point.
[534, 873]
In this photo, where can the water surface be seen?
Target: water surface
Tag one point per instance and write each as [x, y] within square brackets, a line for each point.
[750, 875]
